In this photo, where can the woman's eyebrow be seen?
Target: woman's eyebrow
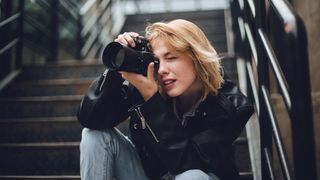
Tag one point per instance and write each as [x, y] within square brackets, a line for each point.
[167, 54]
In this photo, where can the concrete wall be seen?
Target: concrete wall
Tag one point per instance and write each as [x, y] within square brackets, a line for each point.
[286, 134]
[308, 10]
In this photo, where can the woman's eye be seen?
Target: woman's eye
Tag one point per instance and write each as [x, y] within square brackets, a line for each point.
[172, 58]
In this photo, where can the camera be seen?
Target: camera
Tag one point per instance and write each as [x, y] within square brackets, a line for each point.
[117, 57]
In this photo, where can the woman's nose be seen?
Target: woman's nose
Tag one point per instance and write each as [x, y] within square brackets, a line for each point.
[163, 68]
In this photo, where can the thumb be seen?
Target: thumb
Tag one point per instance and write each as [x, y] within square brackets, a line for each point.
[150, 71]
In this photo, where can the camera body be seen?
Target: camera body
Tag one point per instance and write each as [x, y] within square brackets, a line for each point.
[117, 57]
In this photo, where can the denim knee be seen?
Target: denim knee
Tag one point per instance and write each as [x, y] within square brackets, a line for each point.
[92, 140]
[195, 174]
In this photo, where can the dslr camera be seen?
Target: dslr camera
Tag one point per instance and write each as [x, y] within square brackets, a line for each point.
[121, 58]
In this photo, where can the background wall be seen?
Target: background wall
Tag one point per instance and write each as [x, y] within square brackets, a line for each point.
[309, 11]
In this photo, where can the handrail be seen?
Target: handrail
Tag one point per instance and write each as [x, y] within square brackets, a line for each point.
[98, 29]
[11, 41]
[10, 19]
[277, 39]
[50, 27]
[276, 132]
[267, 154]
[9, 45]
[284, 87]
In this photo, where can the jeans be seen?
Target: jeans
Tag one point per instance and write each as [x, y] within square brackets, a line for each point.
[108, 154]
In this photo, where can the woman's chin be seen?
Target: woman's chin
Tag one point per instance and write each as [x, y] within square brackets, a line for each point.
[172, 93]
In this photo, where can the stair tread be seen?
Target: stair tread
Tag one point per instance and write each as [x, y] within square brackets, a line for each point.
[39, 176]
[40, 119]
[42, 98]
[40, 144]
[47, 82]
[66, 63]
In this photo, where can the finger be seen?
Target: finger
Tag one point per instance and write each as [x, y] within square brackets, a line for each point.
[133, 34]
[120, 39]
[150, 72]
[131, 77]
[124, 74]
[129, 39]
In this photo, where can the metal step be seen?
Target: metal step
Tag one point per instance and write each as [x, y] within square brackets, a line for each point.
[54, 158]
[44, 106]
[56, 129]
[211, 22]
[62, 70]
[48, 177]
[51, 87]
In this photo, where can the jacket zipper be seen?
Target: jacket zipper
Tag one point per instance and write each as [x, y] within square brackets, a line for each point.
[145, 124]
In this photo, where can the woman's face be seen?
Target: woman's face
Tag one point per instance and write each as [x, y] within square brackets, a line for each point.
[176, 74]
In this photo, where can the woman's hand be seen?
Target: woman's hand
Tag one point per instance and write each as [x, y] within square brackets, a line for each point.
[127, 39]
[146, 85]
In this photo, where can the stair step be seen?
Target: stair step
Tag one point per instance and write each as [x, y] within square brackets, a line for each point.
[44, 106]
[40, 158]
[57, 177]
[246, 175]
[51, 87]
[141, 19]
[56, 129]
[242, 155]
[243, 176]
[211, 22]
[65, 70]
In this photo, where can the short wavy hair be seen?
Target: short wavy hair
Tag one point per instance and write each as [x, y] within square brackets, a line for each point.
[186, 37]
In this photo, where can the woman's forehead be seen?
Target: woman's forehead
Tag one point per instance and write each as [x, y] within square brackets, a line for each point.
[160, 44]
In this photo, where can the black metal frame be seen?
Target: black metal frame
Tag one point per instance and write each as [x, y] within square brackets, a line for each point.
[38, 31]
[11, 37]
[269, 34]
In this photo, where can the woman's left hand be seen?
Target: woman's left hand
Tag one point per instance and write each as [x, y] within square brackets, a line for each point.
[146, 85]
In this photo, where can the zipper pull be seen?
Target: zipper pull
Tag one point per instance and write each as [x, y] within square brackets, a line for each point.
[143, 120]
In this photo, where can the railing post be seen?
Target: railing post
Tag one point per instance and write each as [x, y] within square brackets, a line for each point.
[20, 35]
[79, 37]
[263, 78]
[54, 31]
[6, 35]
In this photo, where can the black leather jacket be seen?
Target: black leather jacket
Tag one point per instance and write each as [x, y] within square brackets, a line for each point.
[162, 142]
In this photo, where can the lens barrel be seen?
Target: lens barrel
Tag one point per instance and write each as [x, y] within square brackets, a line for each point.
[121, 58]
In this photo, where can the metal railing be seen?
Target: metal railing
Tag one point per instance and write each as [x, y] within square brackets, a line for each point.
[67, 29]
[48, 30]
[101, 22]
[271, 38]
[11, 25]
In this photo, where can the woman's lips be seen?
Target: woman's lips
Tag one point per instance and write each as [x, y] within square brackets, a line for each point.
[168, 84]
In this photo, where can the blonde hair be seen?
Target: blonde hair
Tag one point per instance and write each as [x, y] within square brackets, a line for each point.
[184, 36]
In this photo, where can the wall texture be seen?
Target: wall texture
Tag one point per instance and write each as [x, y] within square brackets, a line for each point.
[309, 12]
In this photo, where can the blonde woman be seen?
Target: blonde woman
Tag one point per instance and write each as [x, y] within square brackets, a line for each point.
[182, 121]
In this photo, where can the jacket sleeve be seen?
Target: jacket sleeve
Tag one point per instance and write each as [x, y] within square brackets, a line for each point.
[180, 151]
[106, 102]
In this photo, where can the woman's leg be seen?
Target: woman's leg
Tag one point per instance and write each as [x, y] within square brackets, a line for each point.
[195, 174]
[107, 155]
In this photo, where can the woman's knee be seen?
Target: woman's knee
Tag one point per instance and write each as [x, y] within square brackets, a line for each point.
[93, 139]
[195, 174]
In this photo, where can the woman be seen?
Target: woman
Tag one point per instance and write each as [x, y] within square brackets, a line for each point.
[182, 123]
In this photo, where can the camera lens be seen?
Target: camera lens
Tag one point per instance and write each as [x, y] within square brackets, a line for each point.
[118, 60]
[122, 58]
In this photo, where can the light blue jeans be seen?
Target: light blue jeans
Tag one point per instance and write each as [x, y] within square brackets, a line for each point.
[108, 155]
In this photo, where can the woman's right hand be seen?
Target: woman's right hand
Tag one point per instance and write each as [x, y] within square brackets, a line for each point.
[127, 39]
